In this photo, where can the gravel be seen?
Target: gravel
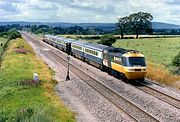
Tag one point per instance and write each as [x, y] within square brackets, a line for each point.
[91, 106]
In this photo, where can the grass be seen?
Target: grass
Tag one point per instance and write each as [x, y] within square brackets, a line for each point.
[22, 101]
[40, 35]
[156, 50]
[156, 72]
[3, 40]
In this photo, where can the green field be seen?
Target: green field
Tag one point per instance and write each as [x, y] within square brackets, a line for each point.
[20, 99]
[156, 50]
[3, 40]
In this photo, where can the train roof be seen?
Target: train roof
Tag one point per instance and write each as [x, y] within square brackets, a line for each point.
[61, 38]
[80, 42]
[118, 52]
[68, 40]
[98, 47]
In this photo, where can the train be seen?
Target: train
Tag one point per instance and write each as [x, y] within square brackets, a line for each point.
[119, 62]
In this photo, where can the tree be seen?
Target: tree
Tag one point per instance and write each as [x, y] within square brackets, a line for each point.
[176, 60]
[107, 40]
[140, 22]
[33, 28]
[122, 25]
[39, 31]
[13, 34]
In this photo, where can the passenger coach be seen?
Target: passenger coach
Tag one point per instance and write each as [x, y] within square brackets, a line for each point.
[78, 49]
[93, 54]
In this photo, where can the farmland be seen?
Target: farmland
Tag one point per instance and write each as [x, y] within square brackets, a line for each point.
[20, 98]
[156, 50]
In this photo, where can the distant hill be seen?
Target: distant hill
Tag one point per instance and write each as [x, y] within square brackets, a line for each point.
[160, 25]
[106, 26]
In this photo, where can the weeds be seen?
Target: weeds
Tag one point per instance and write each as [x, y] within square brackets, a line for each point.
[157, 73]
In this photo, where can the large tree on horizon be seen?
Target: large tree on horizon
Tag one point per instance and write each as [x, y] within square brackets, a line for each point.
[122, 25]
[140, 22]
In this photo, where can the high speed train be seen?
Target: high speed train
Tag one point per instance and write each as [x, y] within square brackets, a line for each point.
[119, 62]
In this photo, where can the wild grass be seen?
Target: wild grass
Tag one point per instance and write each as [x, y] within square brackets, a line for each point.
[157, 73]
[27, 102]
[3, 40]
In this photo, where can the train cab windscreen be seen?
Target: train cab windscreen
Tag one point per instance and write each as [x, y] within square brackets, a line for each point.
[136, 61]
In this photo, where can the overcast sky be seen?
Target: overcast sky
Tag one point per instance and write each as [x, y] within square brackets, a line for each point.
[87, 10]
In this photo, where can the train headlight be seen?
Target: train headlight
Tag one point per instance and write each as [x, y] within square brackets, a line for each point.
[130, 70]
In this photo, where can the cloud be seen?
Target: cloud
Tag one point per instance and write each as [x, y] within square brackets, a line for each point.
[173, 2]
[8, 7]
[87, 10]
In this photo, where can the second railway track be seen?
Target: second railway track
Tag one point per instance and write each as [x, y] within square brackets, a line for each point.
[160, 95]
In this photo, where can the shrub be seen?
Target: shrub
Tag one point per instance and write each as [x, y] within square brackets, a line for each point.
[13, 34]
[176, 60]
[107, 40]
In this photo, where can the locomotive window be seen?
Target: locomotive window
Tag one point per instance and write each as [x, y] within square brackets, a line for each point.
[136, 61]
[124, 61]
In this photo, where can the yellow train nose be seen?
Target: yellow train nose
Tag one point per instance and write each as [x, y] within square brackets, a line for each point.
[135, 74]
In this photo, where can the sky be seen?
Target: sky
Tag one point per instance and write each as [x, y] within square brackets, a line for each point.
[87, 11]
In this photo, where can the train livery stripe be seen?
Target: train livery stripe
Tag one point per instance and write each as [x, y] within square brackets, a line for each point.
[117, 67]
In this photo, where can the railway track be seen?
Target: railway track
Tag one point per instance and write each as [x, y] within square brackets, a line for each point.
[159, 94]
[123, 104]
[147, 88]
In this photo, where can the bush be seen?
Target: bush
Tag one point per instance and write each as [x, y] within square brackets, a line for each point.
[13, 34]
[107, 40]
[176, 60]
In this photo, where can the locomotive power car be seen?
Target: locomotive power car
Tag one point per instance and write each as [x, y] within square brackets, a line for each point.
[119, 62]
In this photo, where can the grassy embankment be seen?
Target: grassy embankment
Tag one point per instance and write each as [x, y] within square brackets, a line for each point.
[158, 52]
[3, 40]
[20, 98]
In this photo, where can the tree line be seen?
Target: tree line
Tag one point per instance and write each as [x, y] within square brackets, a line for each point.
[75, 30]
[136, 23]
[10, 34]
